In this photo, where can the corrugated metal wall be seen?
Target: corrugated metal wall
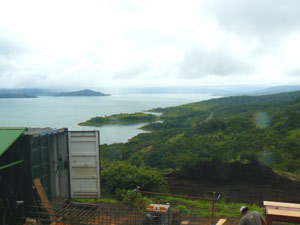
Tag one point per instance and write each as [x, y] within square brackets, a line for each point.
[40, 161]
[50, 162]
[59, 165]
[84, 164]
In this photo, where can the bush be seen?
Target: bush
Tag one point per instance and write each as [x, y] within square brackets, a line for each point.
[181, 209]
[125, 176]
[129, 197]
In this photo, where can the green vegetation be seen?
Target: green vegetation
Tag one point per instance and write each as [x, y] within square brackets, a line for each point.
[242, 128]
[184, 206]
[290, 176]
[203, 208]
[123, 176]
[129, 197]
[120, 179]
[122, 118]
[93, 201]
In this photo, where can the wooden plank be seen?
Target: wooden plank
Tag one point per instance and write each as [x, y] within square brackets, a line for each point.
[44, 198]
[185, 222]
[221, 221]
[291, 219]
[281, 204]
[281, 212]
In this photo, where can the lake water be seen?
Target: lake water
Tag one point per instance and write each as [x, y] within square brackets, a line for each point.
[58, 112]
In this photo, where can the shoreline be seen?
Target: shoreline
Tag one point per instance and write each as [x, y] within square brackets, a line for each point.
[79, 124]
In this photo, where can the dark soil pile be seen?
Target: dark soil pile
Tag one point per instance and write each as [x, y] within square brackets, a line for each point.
[251, 183]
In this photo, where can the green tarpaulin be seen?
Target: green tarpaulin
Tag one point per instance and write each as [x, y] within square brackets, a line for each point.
[8, 136]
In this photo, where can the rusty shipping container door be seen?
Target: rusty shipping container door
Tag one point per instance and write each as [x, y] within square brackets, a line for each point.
[84, 164]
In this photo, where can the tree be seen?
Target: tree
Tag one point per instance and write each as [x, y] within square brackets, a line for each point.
[122, 175]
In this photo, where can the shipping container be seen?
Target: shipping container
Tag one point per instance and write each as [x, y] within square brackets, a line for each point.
[66, 162]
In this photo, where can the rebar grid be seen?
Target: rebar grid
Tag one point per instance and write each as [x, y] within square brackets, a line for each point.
[97, 214]
[92, 214]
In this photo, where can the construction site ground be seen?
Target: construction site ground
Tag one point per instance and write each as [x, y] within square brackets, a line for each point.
[115, 214]
[109, 214]
[249, 183]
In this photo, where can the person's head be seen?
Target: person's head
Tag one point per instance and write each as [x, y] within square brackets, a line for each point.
[244, 210]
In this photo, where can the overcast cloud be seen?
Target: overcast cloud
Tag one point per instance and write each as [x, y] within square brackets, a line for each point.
[258, 18]
[117, 43]
[9, 49]
[197, 64]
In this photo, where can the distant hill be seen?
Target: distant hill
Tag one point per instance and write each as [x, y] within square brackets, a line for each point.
[85, 92]
[276, 89]
[16, 95]
[217, 90]
[29, 91]
[228, 90]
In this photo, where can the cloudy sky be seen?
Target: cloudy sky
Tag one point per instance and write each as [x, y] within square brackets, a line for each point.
[104, 44]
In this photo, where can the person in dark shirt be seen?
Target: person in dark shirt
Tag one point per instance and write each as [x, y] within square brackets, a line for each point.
[251, 218]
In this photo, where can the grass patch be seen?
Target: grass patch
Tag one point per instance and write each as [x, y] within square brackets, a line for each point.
[91, 201]
[199, 208]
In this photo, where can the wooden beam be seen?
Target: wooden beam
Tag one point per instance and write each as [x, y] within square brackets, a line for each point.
[221, 221]
[44, 198]
[282, 204]
[281, 212]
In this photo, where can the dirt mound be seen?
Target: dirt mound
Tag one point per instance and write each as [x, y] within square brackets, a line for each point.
[250, 183]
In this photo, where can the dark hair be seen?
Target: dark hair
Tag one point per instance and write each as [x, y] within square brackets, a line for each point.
[245, 210]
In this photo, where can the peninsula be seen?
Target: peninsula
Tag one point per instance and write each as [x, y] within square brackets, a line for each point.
[85, 92]
[123, 118]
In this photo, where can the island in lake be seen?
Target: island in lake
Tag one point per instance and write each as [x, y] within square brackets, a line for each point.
[85, 92]
[16, 95]
[122, 118]
[34, 92]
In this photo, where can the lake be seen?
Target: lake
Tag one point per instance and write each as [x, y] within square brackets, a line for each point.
[58, 112]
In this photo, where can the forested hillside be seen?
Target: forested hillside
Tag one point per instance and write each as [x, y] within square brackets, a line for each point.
[243, 128]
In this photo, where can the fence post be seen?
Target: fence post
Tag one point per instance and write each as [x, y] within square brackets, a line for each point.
[137, 197]
[213, 208]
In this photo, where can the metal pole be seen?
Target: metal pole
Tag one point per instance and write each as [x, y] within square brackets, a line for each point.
[213, 208]
[137, 198]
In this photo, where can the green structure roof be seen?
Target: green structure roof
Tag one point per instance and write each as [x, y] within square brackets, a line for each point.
[8, 136]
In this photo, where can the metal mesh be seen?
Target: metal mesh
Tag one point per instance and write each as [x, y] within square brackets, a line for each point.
[79, 214]
[95, 214]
